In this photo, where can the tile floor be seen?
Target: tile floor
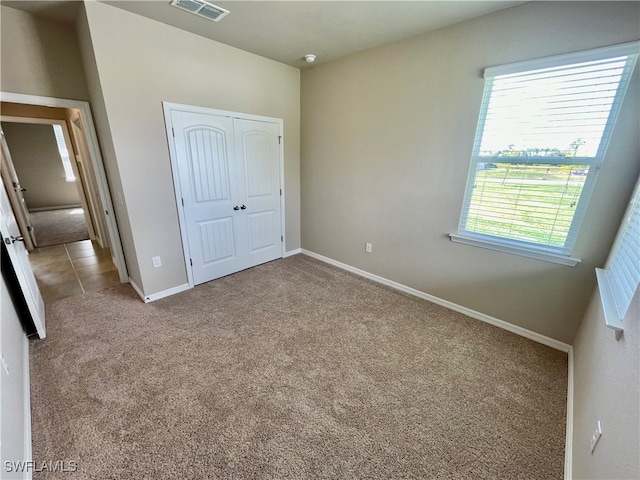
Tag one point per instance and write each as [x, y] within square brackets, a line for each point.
[72, 269]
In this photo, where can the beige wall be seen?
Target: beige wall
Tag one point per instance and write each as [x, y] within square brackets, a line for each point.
[147, 63]
[103, 131]
[15, 390]
[35, 156]
[39, 57]
[606, 388]
[386, 141]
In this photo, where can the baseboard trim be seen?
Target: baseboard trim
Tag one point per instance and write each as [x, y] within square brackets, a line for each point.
[157, 296]
[137, 289]
[57, 207]
[523, 332]
[291, 253]
[28, 449]
[568, 444]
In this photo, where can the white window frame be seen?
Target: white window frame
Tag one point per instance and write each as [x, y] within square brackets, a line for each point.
[621, 271]
[529, 249]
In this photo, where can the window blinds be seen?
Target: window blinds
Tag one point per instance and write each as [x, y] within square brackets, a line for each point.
[64, 154]
[532, 204]
[543, 130]
[559, 112]
[623, 266]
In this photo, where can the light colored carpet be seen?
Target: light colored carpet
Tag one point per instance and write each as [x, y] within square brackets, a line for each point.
[293, 369]
[54, 227]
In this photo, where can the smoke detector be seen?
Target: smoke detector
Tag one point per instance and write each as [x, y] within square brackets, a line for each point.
[310, 57]
[202, 9]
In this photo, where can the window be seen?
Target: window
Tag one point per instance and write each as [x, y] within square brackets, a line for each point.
[542, 134]
[64, 154]
[620, 278]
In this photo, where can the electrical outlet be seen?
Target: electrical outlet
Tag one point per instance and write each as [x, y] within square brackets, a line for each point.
[368, 247]
[156, 262]
[595, 437]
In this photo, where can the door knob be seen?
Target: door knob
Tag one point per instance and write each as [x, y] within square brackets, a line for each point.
[236, 207]
[243, 207]
[12, 239]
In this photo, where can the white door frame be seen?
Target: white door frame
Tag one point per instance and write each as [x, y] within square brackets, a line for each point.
[96, 161]
[169, 107]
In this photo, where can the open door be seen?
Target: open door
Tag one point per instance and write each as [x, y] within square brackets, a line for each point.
[14, 191]
[88, 179]
[18, 256]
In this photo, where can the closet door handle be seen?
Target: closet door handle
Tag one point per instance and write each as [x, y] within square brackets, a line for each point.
[243, 207]
[236, 207]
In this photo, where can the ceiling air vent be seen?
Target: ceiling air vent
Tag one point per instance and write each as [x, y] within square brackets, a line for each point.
[201, 8]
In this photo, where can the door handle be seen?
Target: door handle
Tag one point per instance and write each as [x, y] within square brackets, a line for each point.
[236, 207]
[10, 240]
[243, 207]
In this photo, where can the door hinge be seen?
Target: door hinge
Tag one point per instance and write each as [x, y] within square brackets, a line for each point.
[280, 192]
[279, 139]
[281, 238]
[29, 228]
[191, 261]
[182, 201]
[173, 132]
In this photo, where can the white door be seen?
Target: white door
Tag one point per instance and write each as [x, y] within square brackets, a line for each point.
[258, 156]
[14, 191]
[18, 256]
[229, 181]
[85, 169]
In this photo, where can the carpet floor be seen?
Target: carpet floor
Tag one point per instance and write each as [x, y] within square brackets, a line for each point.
[55, 227]
[293, 369]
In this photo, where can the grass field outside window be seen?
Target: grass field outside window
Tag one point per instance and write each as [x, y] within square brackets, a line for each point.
[531, 203]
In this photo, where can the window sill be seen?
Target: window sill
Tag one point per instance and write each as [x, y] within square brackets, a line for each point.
[611, 317]
[544, 256]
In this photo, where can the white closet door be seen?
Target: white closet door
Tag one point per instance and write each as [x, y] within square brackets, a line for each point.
[258, 153]
[207, 170]
[230, 185]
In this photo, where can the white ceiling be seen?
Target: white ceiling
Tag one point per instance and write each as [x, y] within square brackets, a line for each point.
[287, 30]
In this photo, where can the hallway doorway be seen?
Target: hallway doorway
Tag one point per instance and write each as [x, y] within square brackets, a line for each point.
[53, 191]
[86, 254]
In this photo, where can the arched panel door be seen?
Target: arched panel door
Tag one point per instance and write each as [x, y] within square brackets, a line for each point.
[230, 192]
[258, 152]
